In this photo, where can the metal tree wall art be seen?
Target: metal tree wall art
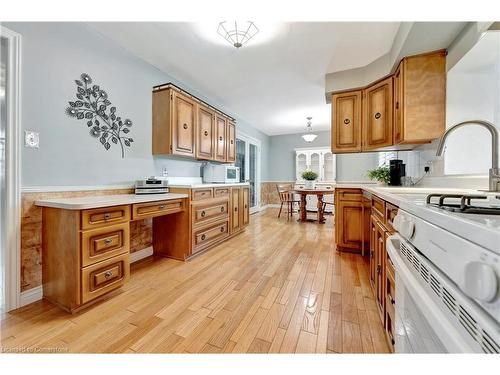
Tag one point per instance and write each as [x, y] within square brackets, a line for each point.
[92, 106]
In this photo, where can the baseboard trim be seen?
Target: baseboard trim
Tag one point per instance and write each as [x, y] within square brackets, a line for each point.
[30, 296]
[36, 293]
[141, 254]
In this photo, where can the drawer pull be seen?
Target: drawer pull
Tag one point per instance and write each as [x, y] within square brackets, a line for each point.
[220, 138]
[377, 115]
[107, 241]
[347, 121]
[203, 237]
[185, 126]
[236, 209]
[162, 207]
[107, 216]
[203, 213]
[108, 274]
[205, 133]
[221, 229]
[232, 141]
[222, 209]
[246, 206]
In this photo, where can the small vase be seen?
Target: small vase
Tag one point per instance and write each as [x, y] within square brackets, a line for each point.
[309, 184]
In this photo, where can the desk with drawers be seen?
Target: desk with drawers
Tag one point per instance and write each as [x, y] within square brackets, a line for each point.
[86, 240]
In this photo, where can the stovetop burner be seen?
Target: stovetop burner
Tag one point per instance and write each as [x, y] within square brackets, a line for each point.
[464, 206]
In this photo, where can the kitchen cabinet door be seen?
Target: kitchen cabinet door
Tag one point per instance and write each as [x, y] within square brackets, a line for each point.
[184, 123]
[346, 122]
[220, 134]
[205, 134]
[348, 225]
[231, 142]
[398, 105]
[373, 259]
[380, 255]
[378, 112]
[245, 206]
[235, 209]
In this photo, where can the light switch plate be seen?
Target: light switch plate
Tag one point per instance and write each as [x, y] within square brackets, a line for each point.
[31, 139]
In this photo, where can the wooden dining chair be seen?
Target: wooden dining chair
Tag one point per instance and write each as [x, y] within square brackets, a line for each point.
[286, 197]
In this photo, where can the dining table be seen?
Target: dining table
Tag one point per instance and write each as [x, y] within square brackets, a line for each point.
[303, 197]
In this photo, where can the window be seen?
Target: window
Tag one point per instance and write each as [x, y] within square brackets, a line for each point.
[384, 157]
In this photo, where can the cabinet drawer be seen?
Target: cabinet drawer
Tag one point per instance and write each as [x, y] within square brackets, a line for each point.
[105, 276]
[390, 213]
[208, 235]
[104, 243]
[352, 195]
[202, 213]
[99, 217]
[200, 194]
[221, 192]
[152, 209]
[378, 207]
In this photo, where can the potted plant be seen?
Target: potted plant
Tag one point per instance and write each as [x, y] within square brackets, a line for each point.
[380, 174]
[309, 177]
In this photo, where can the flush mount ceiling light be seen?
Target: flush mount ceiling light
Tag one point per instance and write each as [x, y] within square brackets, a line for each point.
[309, 136]
[236, 32]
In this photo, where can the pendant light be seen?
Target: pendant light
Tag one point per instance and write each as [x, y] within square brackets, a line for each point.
[309, 136]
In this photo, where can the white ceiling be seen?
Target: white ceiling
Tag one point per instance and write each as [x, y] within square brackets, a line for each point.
[275, 81]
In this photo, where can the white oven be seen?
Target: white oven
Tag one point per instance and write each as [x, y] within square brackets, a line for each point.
[221, 173]
[433, 314]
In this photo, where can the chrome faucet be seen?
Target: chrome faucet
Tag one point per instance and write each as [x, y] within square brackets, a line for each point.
[494, 177]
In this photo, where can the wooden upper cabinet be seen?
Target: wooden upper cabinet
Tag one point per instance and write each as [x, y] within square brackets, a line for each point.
[184, 121]
[398, 105]
[231, 142]
[186, 126]
[220, 141]
[346, 122]
[377, 121]
[205, 134]
[420, 98]
[399, 112]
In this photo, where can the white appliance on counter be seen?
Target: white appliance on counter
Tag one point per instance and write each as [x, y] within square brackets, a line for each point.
[221, 173]
[447, 287]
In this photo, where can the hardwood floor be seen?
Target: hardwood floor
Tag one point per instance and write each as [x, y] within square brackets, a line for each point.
[277, 288]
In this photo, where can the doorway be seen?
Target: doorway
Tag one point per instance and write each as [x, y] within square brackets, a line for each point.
[248, 160]
[10, 169]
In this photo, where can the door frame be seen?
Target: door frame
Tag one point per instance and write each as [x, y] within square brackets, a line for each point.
[248, 139]
[12, 213]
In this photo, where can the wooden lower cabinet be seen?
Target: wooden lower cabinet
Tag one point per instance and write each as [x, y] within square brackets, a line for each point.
[349, 220]
[215, 215]
[362, 224]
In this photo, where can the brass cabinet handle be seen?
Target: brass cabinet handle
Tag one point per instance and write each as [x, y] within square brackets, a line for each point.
[221, 229]
[232, 141]
[203, 213]
[161, 207]
[108, 274]
[220, 138]
[371, 254]
[378, 115]
[185, 126]
[222, 209]
[205, 133]
[236, 209]
[107, 241]
[203, 237]
[347, 121]
[378, 269]
[397, 105]
[246, 206]
[107, 216]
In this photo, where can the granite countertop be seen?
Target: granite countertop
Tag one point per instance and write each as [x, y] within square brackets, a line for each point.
[83, 203]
